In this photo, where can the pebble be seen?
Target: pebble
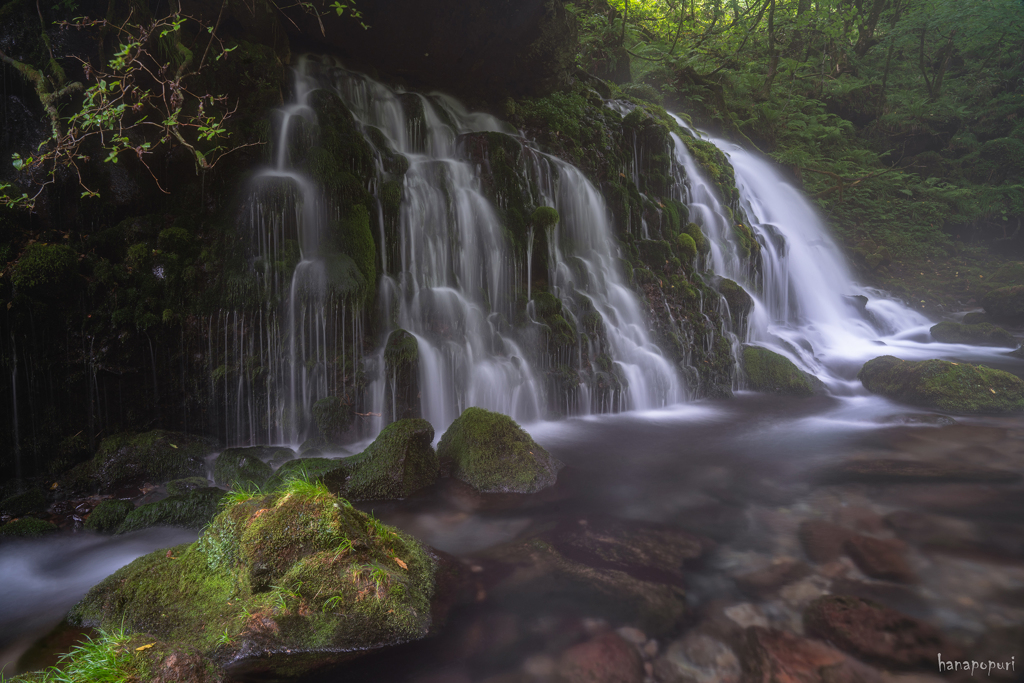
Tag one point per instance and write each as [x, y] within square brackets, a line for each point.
[632, 635]
[540, 666]
[746, 615]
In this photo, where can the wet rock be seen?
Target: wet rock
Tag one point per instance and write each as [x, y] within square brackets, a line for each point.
[771, 656]
[108, 515]
[823, 541]
[975, 317]
[32, 500]
[745, 615]
[1006, 304]
[974, 501]
[278, 585]
[977, 334]
[401, 367]
[192, 510]
[697, 658]
[927, 530]
[399, 462]
[718, 522]
[880, 558]
[280, 456]
[605, 659]
[242, 467]
[771, 373]
[944, 385]
[26, 527]
[131, 459]
[739, 301]
[768, 580]
[890, 470]
[492, 453]
[859, 518]
[876, 634]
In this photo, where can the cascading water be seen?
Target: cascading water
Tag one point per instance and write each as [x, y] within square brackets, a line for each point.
[803, 291]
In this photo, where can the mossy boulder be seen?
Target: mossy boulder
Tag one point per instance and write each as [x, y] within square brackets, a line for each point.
[192, 510]
[544, 217]
[1005, 304]
[976, 317]
[241, 466]
[309, 469]
[278, 585]
[27, 527]
[128, 459]
[686, 248]
[944, 385]
[402, 370]
[978, 334]
[399, 462]
[108, 515]
[771, 373]
[32, 500]
[333, 417]
[492, 453]
[180, 487]
[738, 300]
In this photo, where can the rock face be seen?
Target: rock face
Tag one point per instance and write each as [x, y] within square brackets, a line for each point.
[943, 385]
[277, 585]
[400, 461]
[771, 373]
[1005, 304]
[978, 334]
[492, 453]
[874, 633]
[155, 456]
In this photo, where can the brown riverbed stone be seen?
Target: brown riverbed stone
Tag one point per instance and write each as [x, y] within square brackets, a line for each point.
[605, 659]
[768, 580]
[771, 656]
[876, 634]
[823, 541]
[880, 558]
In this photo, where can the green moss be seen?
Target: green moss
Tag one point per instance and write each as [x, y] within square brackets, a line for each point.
[546, 305]
[293, 573]
[769, 372]
[739, 301]
[333, 418]
[544, 217]
[192, 510]
[241, 466]
[401, 349]
[180, 487]
[309, 469]
[108, 515]
[654, 253]
[44, 266]
[399, 462]
[27, 527]
[492, 453]
[979, 334]
[944, 385]
[20, 504]
[356, 239]
[686, 248]
[697, 235]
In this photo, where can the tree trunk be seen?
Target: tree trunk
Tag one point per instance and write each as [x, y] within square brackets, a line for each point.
[866, 31]
[773, 54]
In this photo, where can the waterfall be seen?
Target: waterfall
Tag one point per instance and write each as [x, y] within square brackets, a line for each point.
[803, 290]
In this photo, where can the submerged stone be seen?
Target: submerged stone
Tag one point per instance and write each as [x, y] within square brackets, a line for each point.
[492, 453]
[399, 462]
[125, 459]
[978, 334]
[771, 373]
[277, 585]
[241, 466]
[944, 385]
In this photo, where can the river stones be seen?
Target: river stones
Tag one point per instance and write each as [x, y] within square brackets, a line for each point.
[770, 656]
[277, 585]
[492, 453]
[132, 459]
[977, 334]
[698, 658]
[822, 541]
[771, 373]
[880, 558]
[944, 385]
[876, 634]
[243, 467]
[608, 658]
[764, 582]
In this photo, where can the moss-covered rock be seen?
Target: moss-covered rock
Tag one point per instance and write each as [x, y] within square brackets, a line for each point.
[27, 527]
[402, 370]
[978, 334]
[155, 456]
[769, 372]
[944, 385]
[333, 417]
[544, 217]
[241, 466]
[180, 487]
[492, 453]
[399, 462]
[108, 515]
[686, 247]
[308, 469]
[976, 317]
[276, 586]
[192, 510]
[1005, 304]
[22, 503]
[739, 301]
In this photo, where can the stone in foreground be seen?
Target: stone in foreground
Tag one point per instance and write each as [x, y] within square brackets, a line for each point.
[399, 462]
[944, 385]
[491, 452]
[278, 585]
